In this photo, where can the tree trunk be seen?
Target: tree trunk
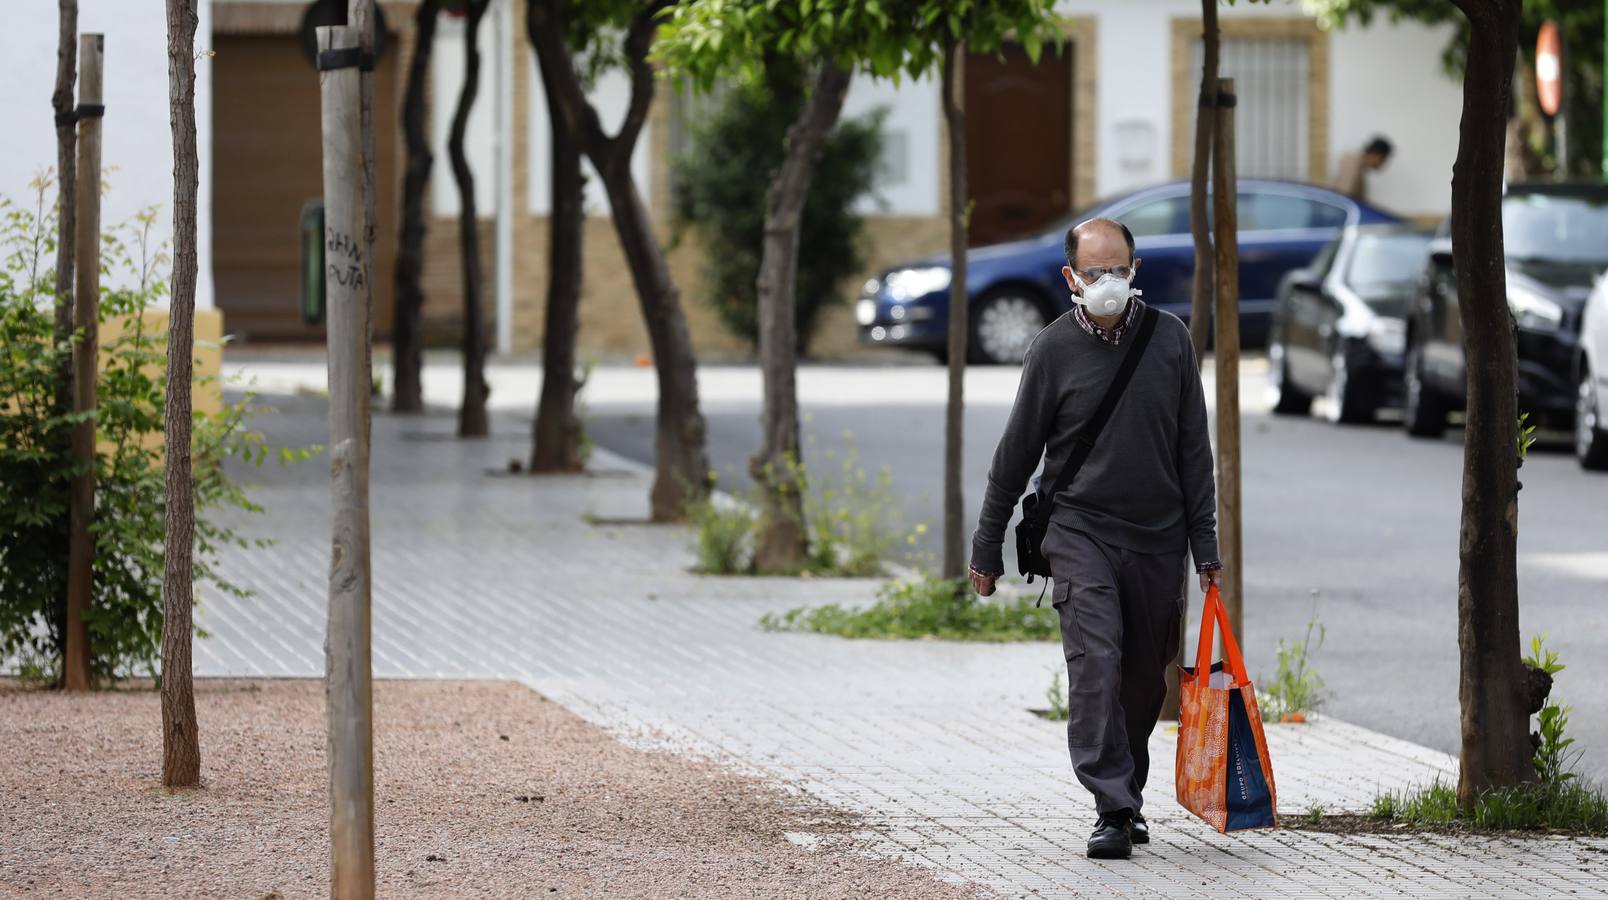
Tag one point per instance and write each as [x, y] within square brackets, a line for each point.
[1200, 302]
[407, 354]
[360, 15]
[86, 350]
[778, 468]
[1495, 745]
[1225, 216]
[557, 437]
[181, 747]
[955, 555]
[66, 196]
[472, 413]
[348, 652]
[680, 462]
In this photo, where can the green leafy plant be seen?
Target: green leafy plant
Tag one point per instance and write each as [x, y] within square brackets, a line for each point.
[1297, 690]
[1526, 436]
[1553, 760]
[36, 467]
[721, 182]
[925, 607]
[1315, 814]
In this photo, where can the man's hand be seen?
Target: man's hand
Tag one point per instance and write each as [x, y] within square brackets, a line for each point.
[983, 584]
[1211, 577]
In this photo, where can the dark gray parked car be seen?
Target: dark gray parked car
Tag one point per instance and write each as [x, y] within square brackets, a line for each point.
[1340, 325]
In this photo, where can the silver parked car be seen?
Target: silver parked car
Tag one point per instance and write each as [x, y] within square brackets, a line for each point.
[1591, 380]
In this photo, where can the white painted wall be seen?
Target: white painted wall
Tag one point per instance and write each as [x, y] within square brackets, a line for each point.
[137, 142]
[1385, 79]
[1388, 80]
[911, 183]
[446, 81]
[612, 97]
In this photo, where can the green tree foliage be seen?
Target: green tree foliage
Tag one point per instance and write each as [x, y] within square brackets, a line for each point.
[1582, 24]
[721, 185]
[125, 618]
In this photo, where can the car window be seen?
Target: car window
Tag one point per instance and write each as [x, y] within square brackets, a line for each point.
[1555, 228]
[1325, 259]
[1166, 216]
[1386, 260]
[1259, 211]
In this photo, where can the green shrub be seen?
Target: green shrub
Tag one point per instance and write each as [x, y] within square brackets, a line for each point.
[36, 468]
[925, 607]
[721, 185]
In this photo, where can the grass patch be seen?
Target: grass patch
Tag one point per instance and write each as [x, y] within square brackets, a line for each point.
[1297, 690]
[1575, 808]
[945, 609]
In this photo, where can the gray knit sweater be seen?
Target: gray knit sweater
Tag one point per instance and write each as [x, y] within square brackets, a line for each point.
[1147, 486]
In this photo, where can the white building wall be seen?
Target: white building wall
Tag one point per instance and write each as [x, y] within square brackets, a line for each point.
[137, 142]
[1389, 80]
[911, 183]
[1385, 79]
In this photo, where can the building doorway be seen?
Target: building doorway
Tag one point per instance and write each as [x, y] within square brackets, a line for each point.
[1018, 142]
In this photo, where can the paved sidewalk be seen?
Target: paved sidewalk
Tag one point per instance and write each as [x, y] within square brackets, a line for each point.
[481, 574]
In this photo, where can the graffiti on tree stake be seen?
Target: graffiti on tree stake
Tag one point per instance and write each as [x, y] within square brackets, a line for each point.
[347, 273]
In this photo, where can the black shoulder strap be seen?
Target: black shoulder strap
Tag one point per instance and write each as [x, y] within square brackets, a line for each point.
[1091, 432]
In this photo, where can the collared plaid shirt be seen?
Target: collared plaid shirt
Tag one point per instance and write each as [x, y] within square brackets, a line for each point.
[1111, 335]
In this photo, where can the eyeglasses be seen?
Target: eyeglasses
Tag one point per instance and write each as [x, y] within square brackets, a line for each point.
[1095, 273]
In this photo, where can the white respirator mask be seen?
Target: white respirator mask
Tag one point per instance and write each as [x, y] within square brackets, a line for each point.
[1107, 296]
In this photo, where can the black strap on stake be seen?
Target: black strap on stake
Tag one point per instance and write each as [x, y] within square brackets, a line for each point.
[84, 111]
[345, 58]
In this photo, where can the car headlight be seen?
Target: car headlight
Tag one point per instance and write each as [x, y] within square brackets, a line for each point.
[1388, 336]
[1533, 311]
[871, 288]
[865, 312]
[907, 284]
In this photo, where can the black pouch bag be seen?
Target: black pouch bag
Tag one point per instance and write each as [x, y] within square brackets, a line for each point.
[1036, 505]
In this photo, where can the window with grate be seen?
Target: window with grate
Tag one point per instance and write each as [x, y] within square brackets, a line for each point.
[1273, 117]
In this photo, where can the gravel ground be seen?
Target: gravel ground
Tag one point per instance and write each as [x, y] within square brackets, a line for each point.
[482, 789]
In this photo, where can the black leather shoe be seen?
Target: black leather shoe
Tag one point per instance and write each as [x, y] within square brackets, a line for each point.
[1140, 830]
[1112, 837]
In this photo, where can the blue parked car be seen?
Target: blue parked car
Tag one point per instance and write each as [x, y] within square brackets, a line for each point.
[1015, 289]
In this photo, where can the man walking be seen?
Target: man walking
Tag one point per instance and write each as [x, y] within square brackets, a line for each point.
[1119, 530]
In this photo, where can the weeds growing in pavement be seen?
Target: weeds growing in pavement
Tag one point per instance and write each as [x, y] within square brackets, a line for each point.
[1297, 690]
[1058, 710]
[1573, 807]
[851, 522]
[723, 534]
[1315, 814]
[925, 607]
[1560, 801]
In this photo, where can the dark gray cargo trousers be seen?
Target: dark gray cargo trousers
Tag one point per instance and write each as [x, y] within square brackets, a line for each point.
[1120, 629]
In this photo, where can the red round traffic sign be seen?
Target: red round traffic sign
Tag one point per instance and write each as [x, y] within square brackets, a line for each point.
[1549, 68]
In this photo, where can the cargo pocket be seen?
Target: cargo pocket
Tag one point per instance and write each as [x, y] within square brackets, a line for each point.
[1071, 634]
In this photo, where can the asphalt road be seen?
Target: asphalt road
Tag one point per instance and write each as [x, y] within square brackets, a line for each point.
[1359, 524]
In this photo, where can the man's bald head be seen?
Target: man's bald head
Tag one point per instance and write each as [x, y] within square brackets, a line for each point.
[1105, 228]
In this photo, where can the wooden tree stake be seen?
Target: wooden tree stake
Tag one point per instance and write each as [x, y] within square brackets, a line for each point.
[86, 316]
[348, 668]
[1226, 225]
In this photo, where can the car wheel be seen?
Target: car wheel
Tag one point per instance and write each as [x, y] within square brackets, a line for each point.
[1003, 323]
[1288, 400]
[1424, 412]
[1345, 404]
[1591, 438]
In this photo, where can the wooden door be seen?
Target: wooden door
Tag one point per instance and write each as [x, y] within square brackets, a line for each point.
[1018, 142]
[266, 163]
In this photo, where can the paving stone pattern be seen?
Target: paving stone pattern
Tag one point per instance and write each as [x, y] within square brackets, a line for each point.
[555, 582]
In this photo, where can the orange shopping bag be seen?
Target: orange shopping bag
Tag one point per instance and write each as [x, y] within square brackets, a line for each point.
[1223, 771]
